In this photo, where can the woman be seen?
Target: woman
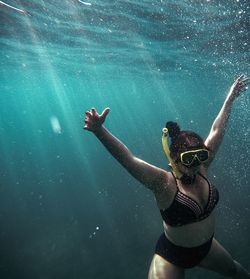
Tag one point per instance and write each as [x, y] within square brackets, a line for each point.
[185, 197]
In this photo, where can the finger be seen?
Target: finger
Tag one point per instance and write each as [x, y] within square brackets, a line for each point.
[243, 84]
[86, 127]
[105, 112]
[240, 77]
[243, 88]
[89, 114]
[93, 111]
[240, 90]
[246, 81]
[86, 121]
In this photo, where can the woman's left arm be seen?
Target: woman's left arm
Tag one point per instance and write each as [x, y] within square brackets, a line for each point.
[218, 128]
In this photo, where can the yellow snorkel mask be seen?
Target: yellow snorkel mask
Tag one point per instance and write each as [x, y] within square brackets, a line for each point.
[167, 152]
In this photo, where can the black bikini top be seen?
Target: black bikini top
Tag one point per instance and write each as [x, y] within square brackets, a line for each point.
[185, 210]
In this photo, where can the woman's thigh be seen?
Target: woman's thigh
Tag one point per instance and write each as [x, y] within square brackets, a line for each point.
[162, 269]
[219, 260]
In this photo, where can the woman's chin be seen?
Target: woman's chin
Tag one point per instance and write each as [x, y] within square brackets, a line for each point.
[192, 171]
[188, 170]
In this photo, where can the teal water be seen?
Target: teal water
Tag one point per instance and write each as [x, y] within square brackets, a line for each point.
[67, 209]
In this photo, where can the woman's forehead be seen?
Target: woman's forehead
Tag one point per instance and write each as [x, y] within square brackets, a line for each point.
[191, 147]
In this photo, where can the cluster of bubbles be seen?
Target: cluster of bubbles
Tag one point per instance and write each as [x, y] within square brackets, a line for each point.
[93, 234]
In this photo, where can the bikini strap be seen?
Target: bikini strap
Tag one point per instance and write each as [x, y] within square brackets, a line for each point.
[204, 178]
[175, 180]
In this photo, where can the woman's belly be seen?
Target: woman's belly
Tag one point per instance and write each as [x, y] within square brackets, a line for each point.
[193, 234]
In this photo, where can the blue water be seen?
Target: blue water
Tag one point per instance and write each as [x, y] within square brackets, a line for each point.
[69, 210]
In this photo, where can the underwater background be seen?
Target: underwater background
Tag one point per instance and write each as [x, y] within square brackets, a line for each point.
[67, 208]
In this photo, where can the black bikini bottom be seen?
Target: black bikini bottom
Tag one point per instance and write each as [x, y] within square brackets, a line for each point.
[182, 256]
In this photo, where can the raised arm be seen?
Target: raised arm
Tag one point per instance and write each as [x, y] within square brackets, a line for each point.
[218, 128]
[152, 177]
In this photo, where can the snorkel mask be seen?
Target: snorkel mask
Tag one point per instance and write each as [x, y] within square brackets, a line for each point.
[194, 158]
[188, 159]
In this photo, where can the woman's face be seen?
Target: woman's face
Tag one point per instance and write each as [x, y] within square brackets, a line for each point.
[191, 170]
[187, 170]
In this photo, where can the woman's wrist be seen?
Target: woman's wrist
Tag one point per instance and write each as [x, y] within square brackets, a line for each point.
[98, 130]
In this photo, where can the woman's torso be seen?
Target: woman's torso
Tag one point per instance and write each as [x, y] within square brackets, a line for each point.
[197, 232]
[193, 234]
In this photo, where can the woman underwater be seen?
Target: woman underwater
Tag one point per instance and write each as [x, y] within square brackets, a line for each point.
[185, 197]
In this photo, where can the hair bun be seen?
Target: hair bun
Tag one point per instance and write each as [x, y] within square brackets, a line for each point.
[173, 130]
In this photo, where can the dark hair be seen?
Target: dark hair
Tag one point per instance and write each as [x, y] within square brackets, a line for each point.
[182, 140]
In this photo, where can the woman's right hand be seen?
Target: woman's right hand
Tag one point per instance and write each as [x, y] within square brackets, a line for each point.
[93, 120]
[240, 85]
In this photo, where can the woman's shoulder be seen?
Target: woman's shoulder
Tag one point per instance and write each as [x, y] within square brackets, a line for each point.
[166, 192]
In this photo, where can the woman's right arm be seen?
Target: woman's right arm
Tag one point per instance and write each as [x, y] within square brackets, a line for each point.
[218, 128]
[152, 177]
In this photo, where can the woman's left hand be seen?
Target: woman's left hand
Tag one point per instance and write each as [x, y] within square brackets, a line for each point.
[240, 85]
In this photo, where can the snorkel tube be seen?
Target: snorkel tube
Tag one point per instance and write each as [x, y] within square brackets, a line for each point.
[164, 140]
